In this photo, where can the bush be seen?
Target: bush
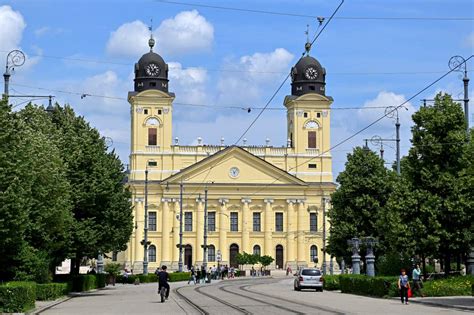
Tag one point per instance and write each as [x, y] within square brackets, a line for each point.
[390, 264]
[370, 286]
[51, 291]
[179, 276]
[151, 277]
[82, 283]
[16, 297]
[449, 287]
[331, 283]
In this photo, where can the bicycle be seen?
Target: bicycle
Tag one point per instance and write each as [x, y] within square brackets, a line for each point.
[163, 294]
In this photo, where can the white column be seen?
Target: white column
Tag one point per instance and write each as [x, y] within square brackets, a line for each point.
[175, 233]
[165, 231]
[199, 231]
[290, 231]
[223, 228]
[246, 223]
[267, 241]
[303, 225]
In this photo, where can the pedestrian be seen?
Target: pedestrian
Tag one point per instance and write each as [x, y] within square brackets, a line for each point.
[417, 281]
[252, 272]
[403, 286]
[192, 275]
[214, 272]
[163, 279]
[203, 274]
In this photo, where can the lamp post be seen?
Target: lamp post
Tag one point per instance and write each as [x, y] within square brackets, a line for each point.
[370, 243]
[204, 246]
[355, 243]
[324, 235]
[458, 63]
[15, 58]
[180, 262]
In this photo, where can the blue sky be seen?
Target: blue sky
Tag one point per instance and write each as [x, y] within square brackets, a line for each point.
[231, 58]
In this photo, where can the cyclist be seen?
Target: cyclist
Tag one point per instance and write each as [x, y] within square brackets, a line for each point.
[163, 279]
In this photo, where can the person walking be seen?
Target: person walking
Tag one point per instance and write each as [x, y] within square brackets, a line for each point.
[403, 286]
[192, 275]
[163, 279]
[417, 281]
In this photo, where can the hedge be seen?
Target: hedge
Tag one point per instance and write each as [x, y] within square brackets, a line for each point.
[453, 286]
[179, 276]
[151, 277]
[82, 283]
[331, 283]
[51, 291]
[370, 286]
[17, 297]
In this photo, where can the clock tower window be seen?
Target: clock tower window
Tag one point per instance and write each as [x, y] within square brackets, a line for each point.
[312, 139]
[152, 136]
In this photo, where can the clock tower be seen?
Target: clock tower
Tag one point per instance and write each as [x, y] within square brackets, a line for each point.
[151, 112]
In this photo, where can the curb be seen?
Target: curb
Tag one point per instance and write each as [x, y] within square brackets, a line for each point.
[462, 308]
[50, 305]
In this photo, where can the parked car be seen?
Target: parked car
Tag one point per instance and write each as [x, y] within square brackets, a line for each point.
[309, 278]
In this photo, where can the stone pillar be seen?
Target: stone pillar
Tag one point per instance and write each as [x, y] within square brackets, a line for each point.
[175, 235]
[267, 228]
[223, 228]
[290, 234]
[355, 243]
[199, 231]
[165, 232]
[303, 225]
[246, 224]
[343, 266]
[470, 263]
[370, 257]
[331, 266]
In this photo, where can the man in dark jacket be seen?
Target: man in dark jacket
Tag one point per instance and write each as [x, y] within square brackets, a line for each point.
[163, 278]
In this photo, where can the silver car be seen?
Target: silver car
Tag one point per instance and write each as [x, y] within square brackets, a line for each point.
[309, 278]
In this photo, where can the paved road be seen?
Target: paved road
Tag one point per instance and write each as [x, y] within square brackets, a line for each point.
[248, 296]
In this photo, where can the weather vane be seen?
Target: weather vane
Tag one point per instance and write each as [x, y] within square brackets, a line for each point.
[151, 41]
[307, 46]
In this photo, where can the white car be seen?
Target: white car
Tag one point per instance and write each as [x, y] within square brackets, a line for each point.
[309, 278]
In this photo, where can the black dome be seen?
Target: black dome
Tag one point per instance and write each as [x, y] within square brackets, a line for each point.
[308, 76]
[151, 72]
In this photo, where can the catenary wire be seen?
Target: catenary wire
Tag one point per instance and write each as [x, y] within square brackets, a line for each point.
[299, 15]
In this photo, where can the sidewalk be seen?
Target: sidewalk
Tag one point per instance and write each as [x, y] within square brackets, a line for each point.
[465, 303]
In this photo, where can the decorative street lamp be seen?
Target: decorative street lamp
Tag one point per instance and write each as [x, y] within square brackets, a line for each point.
[15, 58]
[370, 243]
[458, 63]
[355, 244]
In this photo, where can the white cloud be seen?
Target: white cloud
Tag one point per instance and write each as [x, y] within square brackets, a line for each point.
[469, 40]
[187, 32]
[47, 30]
[250, 74]
[12, 25]
[189, 84]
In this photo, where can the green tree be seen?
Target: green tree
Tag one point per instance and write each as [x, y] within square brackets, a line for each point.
[265, 260]
[364, 188]
[100, 203]
[436, 167]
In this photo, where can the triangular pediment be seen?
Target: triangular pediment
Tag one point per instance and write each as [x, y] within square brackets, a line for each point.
[234, 165]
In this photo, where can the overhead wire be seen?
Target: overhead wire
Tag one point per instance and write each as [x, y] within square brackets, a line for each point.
[299, 15]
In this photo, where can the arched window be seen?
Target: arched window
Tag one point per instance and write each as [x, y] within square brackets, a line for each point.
[152, 122]
[211, 253]
[311, 125]
[152, 253]
[256, 250]
[313, 252]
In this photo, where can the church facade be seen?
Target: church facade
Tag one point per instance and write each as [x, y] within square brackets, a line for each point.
[262, 199]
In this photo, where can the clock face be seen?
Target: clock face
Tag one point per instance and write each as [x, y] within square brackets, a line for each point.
[311, 73]
[234, 172]
[152, 70]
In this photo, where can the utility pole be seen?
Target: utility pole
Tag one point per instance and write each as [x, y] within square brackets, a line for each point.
[145, 229]
[324, 235]
[180, 262]
[397, 127]
[204, 262]
[458, 63]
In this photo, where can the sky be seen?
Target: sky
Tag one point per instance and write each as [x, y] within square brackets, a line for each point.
[376, 54]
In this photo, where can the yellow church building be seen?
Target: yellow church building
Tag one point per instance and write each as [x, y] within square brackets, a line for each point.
[261, 199]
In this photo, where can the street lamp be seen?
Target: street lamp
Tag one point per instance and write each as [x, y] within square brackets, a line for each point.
[15, 58]
[458, 63]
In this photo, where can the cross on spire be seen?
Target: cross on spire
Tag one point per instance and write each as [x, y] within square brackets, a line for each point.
[307, 46]
[151, 41]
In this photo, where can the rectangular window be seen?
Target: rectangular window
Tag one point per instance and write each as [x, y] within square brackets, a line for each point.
[211, 253]
[312, 139]
[159, 112]
[152, 221]
[234, 221]
[152, 163]
[256, 221]
[211, 221]
[114, 256]
[279, 221]
[313, 222]
[312, 166]
[145, 111]
[188, 221]
[318, 115]
[305, 115]
[152, 136]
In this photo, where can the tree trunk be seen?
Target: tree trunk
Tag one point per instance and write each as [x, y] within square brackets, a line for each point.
[447, 264]
[423, 262]
[75, 265]
[458, 262]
